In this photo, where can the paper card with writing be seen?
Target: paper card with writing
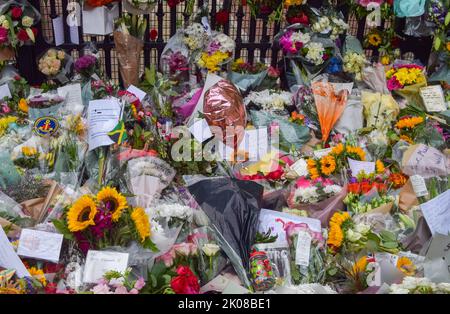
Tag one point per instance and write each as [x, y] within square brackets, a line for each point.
[74, 99]
[273, 220]
[300, 167]
[4, 91]
[58, 30]
[419, 186]
[303, 248]
[437, 213]
[103, 116]
[40, 245]
[357, 166]
[100, 262]
[9, 258]
[322, 152]
[200, 130]
[433, 98]
[437, 260]
[137, 91]
[74, 35]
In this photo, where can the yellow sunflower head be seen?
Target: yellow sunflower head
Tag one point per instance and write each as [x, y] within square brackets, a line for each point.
[374, 39]
[113, 201]
[81, 214]
[38, 274]
[379, 166]
[360, 265]
[335, 236]
[406, 266]
[327, 165]
[141, 222]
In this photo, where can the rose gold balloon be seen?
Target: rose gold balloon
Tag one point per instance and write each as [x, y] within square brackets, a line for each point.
[224, 107]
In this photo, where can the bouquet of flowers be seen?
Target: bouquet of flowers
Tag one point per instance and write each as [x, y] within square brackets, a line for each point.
[267, 7]
[347, 235]
[218, 51]
[354, 63]
[333, 26]
[195, 36]
[308, 253]
[312, 191]
[178, 66]
[139, 6]
[56, 65]
[128, 38]
[86, 65]
[269, 100]
[414, 285]
[245, 75]
[406, 80]
[114, 282]
[105, 219]
[16, 25]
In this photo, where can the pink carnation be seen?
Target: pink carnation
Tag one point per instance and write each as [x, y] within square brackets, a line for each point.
[394, 84]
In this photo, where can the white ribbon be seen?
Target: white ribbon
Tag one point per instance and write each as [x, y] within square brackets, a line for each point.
[74, 16]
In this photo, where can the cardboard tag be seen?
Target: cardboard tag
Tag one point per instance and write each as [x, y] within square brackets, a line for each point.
[100, 262]
[303, 248]
[433, 98]
[40, 245]
[419, 186]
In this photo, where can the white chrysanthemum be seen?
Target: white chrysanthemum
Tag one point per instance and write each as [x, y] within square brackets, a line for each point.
[332, 189]
[300, 37]
[173, 211]
[315, 53]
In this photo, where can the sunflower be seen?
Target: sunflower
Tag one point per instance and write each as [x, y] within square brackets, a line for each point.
[407, 139]
[327, 165]
[141, 222]
[335, 236]
[409, 123]
[356, 151]
[113, 200]
[81, 214]
[339, 218]
[23, 105]
[338, 149]
[406, 266]
[379, 166]
[374, 39]
[312, 169]
[38, 274]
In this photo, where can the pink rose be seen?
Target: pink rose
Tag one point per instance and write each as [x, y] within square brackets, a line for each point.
[303, 183]
[121, 290]
[101, 289]
[5, 109]
[182, 249]
[168, 258]
[139, 284]
[394, 84]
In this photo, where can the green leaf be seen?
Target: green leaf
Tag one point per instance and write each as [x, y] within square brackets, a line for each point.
[63, 229]
[447, 19]
[389, 245]
[388, 236]
[437, 43]
[166, 279]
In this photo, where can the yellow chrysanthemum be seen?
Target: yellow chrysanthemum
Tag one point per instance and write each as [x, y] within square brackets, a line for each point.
[338, 149]
[23, 105]
[335, 236]
[5, 122]
[357, 151]
[38, 274]
[211, 62]
[409, 123]
[385, 60]
[327, 165]
[360, 265]
[374, 39]
[406, 266]
[141, 222]
[29, 151]
[379, 166]
[113, 200]
[81, 214]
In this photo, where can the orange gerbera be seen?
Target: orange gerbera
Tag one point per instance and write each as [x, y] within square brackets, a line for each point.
[398, 180]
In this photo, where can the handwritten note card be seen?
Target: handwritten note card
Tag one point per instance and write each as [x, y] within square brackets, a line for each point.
[100, 262]
[40, 245]
[200, 130]
[103, 116]
[424, 160]
[139, 93]
[437, 213]
[58, 30]
[357, 166]
[9, 258]
[74, 99]
[433, 98]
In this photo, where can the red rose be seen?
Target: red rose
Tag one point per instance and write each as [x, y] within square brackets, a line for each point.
[222, 17]
[22, 35]
[172, 3]
[366, 186]
[275, 175]
[302, 19]
[244, 3]
[265, 10]
[16, 13]
[381, 187]
[186, 282]
[395, 42]
[153, 34]
[50, 288]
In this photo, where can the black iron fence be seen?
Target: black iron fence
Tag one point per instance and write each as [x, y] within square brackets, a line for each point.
[253, 35]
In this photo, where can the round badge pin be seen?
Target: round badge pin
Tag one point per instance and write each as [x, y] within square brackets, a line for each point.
[46, 126]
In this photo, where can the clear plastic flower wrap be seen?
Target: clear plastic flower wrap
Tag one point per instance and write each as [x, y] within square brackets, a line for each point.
[56, 64]
[139, 6]
[46, 104]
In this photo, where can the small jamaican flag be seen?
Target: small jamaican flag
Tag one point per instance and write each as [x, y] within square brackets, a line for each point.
[119, 133]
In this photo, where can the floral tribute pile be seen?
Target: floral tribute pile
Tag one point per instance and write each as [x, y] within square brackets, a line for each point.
[213, 174]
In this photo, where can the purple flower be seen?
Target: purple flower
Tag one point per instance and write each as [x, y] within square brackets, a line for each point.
[177, 62]
[213, 47]
[85, 63]
[102, 222]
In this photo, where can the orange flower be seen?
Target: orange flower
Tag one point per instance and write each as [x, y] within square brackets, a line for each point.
[366, 186]
[398, 180]
[407, 139]
[338, 149]
[354, 188]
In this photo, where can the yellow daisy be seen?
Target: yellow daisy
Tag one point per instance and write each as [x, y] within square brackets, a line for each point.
[113, 200]
[81, 214]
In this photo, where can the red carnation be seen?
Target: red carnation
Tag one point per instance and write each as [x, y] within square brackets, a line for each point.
[153, 34]
[51, 288]
[302, 19]
[222, 17]
[265, 10]
[16, 13]
[186, 282]
[22, 35]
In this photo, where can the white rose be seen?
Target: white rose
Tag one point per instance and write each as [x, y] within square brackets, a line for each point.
[2, 19]
[5, 24]
[27, 21]
[353, 236]
[362, 228]
[210, 249]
